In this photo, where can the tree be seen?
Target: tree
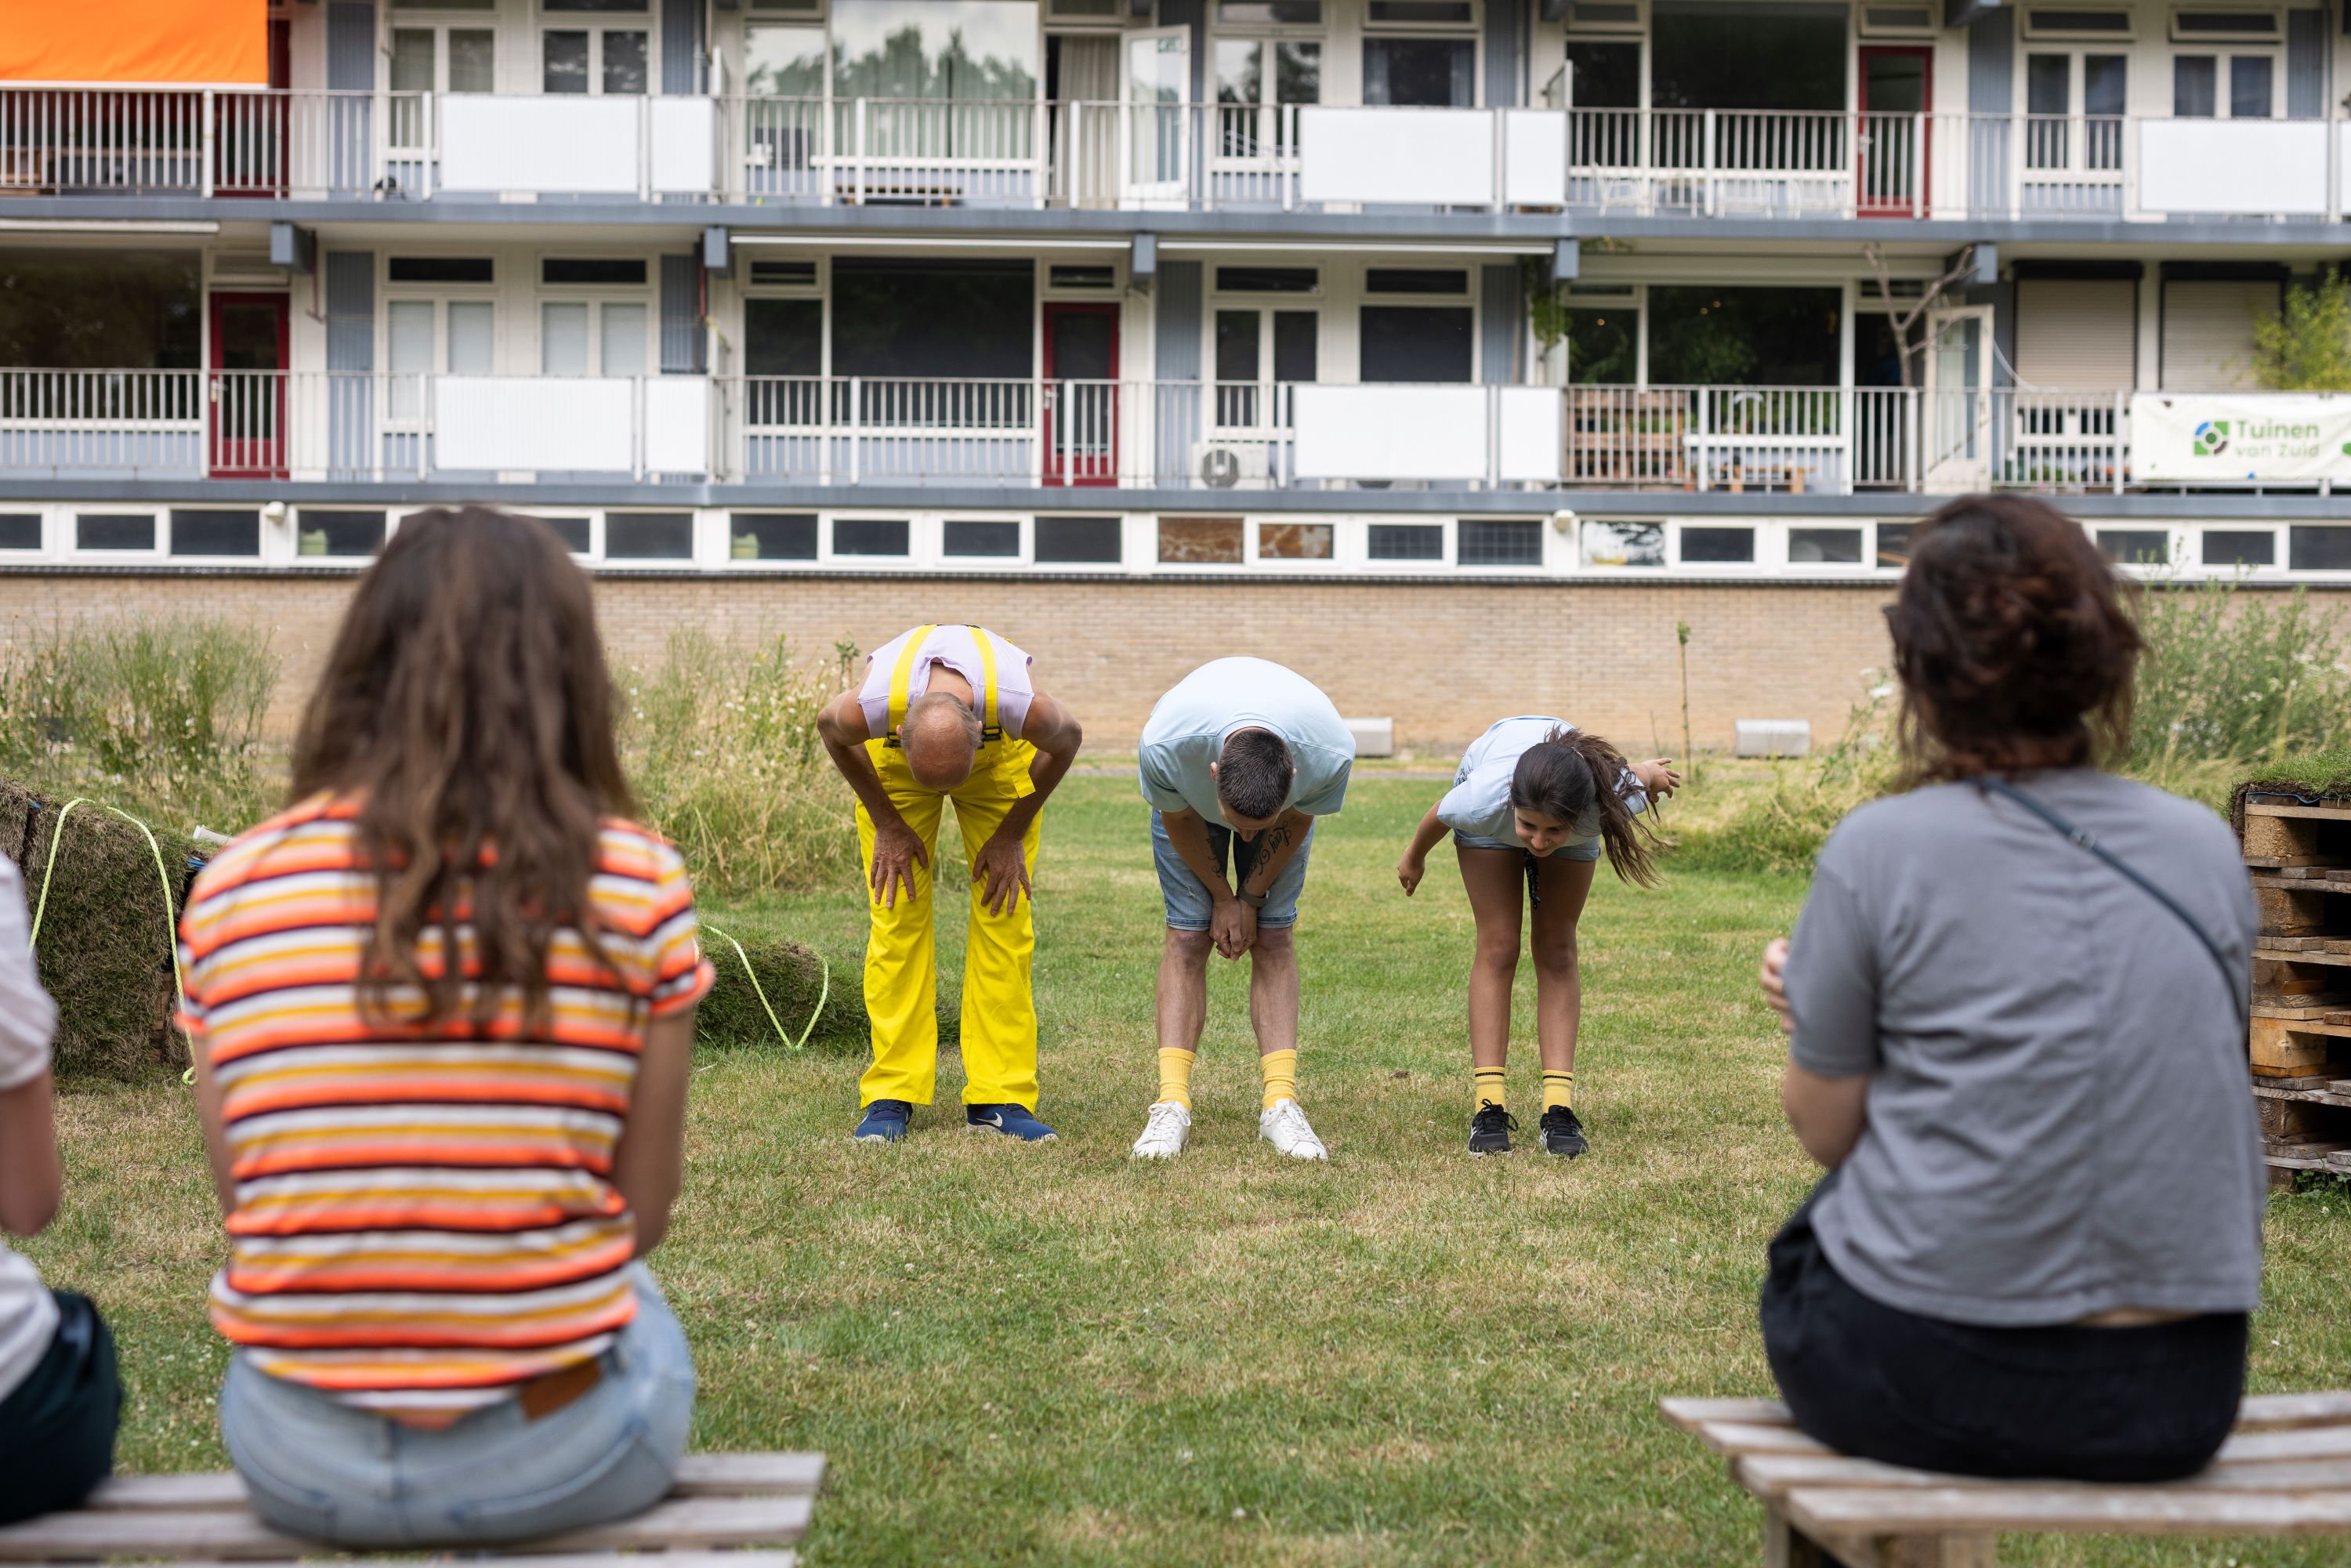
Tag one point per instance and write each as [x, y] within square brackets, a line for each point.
[1903, 320]
[2306, 346]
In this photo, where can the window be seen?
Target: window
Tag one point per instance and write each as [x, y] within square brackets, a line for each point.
[975, 51]
[1200, 541]
[115, 530]
[2250, 95]
[1408, 541]
[1605, 75]
[772, 535]
[2196, 87]
[1727, 54]
[783, 275]
[1085, 10]
[1605, 17]
[1250, 342]
[423, 337]
[1724, 336]
[2240, 547]
[1293, 541]
[783, 339]
[1878, 21]
[648, 536]
[1082, 278]
[347, 534]
[608, 337]
[112, 310]
[1416, 343]
[868, 536]
[1421, 73]
[573, 531]
[610, 59]
[215, 533]
[1270, 13]
[440, 269]
[1268, 280]
[436, 60]
[602, 271]
[1450, 280]
[994, 539]
[1510, 542]
[2135, 547]
[1623, 544]
[1603, 345]
[1074, 541]
[2233, 27]
[1718, 546]
[1894, 544]
[2318, 547]
[1257, 80]
[1823, 547]
[1423, 14]
[20, 530]
[2040, 23]
[895, 316]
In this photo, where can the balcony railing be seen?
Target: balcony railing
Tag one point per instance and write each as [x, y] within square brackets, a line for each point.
[1686, 162]
[847, 431]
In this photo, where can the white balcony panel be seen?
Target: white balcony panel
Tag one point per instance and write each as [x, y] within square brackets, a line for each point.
[544, 423]
[577, 146]
[2252, 167]
[1438, 156]
[686, 144]
[1529, 446]
[1534, 157]
[677, 425]
[2343, 164]
[1390, 431]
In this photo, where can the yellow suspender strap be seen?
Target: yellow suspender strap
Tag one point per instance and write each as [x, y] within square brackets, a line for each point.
[903, 675]
[989, 729]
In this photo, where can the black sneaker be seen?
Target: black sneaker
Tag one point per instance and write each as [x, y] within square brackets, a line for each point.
[1562, 1135]
[1490, 1129]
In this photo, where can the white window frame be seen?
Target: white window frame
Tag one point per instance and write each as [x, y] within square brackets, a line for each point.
[1582, 26]
[600, 535]
[2223, 53]
[1757, 565]
[1864, 28]
[2275, 39]
[596, 24]
[48, 524]
[1781, 547]
[1264, 303]
[159, 541]
[1253, 525]
[922, 540]
[1208, 508]
[1019, 560]
[1475, 27]
[1113, 22]
[2280, 542]
[596, 295]
[1359, 535]
[2127, 33]
[441, 23]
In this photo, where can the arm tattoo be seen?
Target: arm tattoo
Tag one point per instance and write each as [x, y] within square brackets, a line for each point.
[1269, 843]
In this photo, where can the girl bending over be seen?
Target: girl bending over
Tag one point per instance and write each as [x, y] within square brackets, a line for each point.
[1538, 798]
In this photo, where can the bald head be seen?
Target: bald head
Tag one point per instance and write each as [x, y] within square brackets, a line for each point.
[940, 737]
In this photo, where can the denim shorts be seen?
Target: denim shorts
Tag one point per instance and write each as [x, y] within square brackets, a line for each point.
[317, 1467]
[1189, 904]
[1574, 850]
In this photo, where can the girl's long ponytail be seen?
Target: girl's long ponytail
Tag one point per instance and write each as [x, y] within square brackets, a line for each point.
[1569, 771]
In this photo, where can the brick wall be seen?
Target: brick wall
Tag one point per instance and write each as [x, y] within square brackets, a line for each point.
[1442, 660]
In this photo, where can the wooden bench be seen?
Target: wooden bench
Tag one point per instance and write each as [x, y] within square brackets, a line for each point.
[2286, 1470]
[723, 1507]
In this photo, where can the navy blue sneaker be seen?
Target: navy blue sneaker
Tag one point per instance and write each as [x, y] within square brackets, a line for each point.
[1012, 1120]
[884, 1121]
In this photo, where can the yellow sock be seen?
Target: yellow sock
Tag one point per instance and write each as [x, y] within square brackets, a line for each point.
[1490, 1089]
[1280, 1069]
[1175, 1075]
[1559, 1088]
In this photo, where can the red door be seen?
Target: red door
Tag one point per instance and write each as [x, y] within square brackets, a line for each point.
[251, 129]
[245, 393]
[1080, 423]
[1897, 101]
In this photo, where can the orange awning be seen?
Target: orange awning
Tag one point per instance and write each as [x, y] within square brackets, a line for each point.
[184, 43]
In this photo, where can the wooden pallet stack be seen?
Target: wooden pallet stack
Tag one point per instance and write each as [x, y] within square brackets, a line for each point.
[2298, 850]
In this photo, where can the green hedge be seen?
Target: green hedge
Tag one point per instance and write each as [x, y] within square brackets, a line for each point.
[106, 934]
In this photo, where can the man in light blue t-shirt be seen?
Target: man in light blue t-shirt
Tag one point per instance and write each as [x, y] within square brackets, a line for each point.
[1238, 760]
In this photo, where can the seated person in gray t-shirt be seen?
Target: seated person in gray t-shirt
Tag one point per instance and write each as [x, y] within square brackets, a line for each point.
[2040, 1235]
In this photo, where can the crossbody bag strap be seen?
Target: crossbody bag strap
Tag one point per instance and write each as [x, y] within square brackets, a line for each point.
[2081, 836]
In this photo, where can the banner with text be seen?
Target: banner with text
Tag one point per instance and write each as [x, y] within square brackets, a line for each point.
[2243, 436]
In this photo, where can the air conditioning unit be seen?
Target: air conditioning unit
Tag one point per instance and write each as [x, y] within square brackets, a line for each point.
[1221, 465]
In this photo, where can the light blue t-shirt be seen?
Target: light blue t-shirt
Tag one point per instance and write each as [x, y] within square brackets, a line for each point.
[1188, 727]
[1479, 804]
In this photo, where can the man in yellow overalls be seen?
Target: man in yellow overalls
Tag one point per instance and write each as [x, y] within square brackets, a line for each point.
[949, 713]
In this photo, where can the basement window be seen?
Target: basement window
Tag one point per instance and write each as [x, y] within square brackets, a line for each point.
[1487, 542]
[868, 536]
[993, 539]
[2240, 547]
[20, 530]
[345, 534]
[772, 535]
[2135, 547]
[115, 531]
[648, 536]
[1408, 541]
[1823, 547]
[1717, 546]
[1073, 541]
[2318, 547]
[216, 533]
[1200, 541]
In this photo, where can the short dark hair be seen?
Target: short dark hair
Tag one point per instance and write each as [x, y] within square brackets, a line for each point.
[2014, 642]
[1253, 773]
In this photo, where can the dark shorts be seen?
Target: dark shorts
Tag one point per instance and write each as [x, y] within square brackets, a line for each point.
[56, 1428]
[2082, 1404]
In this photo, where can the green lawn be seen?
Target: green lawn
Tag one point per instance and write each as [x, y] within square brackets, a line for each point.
[1049, 1354]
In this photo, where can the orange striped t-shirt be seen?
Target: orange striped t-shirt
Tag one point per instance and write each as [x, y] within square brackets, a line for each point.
[425, 1219]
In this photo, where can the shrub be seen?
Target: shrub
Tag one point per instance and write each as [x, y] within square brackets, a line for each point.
[163, 720]
[2306, 346]
[1782, 830]
[722, 747]
[2232, 676]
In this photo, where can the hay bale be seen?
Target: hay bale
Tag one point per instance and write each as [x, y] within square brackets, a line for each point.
[2317, 778]
[106, 932]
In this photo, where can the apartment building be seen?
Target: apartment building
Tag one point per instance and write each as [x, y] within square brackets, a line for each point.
[1186, 296]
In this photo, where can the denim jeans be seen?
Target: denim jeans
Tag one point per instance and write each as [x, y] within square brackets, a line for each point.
[1189, 904]
[331, 1471]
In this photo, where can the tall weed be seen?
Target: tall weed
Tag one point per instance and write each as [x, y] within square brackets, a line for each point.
[2236, 677]
[163, 719]
[721, 745]
[1783, 828]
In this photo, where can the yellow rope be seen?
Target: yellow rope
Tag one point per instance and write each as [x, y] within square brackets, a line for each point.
[823, 994]
[163, 880]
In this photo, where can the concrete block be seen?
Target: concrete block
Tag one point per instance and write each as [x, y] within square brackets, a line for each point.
[1373, 736]
[1773, 737]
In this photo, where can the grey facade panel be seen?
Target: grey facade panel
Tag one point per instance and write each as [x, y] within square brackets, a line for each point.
[351, 348]
[2306, 65]
[351, 45]
[681, 314]
[1176, 343]
[1992, 62]
[681, 46]
[1499, 330]
[1506, 31]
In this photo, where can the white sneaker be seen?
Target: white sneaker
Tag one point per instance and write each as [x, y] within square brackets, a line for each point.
[1284, 1126]
[1164, 1134]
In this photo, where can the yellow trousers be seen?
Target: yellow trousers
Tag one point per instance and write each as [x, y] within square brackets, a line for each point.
[999, 1016]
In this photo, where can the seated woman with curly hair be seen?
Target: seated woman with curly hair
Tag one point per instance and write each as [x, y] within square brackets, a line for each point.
[2016, 999]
